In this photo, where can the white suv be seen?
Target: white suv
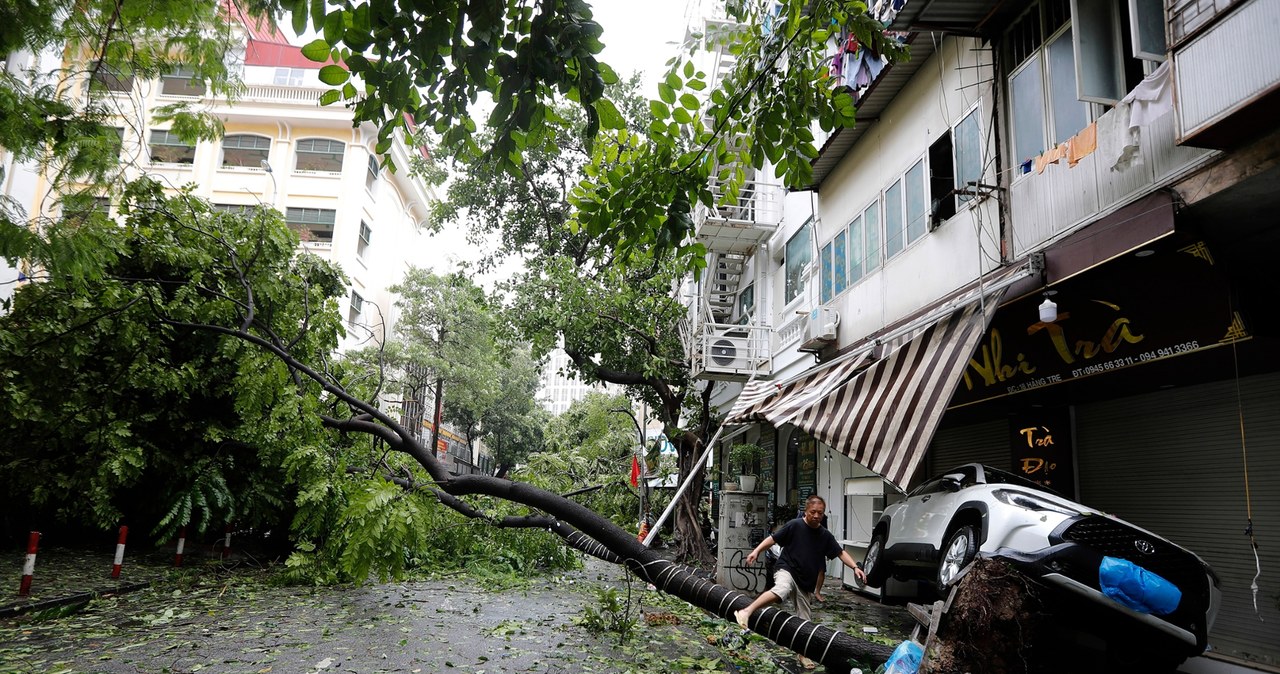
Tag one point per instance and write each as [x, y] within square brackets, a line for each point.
[978, 510]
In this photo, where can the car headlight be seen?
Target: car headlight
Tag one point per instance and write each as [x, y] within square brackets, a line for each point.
[1022, 499]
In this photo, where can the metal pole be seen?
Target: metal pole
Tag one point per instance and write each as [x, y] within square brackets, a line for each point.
[693, 473]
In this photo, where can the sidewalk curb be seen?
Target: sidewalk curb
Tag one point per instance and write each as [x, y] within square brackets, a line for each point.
[15, 610]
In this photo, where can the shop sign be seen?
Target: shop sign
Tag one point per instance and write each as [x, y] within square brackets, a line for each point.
[1127, 313]
[1040, 444]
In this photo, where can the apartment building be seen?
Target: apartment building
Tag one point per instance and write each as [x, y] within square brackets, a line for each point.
[1045, 247]
[282, 149]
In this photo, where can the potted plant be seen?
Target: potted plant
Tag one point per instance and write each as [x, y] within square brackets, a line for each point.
[743, 457]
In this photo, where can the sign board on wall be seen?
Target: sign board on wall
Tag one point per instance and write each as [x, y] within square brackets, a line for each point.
[1127, 313]
[1041, 449]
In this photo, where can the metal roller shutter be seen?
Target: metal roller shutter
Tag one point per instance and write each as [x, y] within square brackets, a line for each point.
[986, 442]
[1172, 462]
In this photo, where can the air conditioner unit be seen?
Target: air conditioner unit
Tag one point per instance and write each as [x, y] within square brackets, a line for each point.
[728, 352]
[820, 329]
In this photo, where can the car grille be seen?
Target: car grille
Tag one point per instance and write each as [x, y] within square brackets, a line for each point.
[1174, 564]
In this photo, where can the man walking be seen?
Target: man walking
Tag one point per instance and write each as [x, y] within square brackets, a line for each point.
[806, 547]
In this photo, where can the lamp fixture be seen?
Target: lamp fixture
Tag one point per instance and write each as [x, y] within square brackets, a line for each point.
[1048, 308]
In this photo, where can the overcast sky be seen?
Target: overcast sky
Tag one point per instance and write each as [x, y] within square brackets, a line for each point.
[641, 35]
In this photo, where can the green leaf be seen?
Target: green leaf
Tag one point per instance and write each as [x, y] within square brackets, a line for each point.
[689, 101]
[334, 75]
[300, 17]
[607, 73]
[317, 14]
[330, 97]
[610, 118]
[333, 26]
[666, 93]
[659, 110]
[316, 50]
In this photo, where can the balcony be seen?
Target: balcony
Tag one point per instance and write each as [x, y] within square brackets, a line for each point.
[740, 223]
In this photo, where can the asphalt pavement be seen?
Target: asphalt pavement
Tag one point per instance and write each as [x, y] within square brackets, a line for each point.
[215, 617]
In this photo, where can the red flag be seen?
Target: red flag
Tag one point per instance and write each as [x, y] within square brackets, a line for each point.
[635, 471]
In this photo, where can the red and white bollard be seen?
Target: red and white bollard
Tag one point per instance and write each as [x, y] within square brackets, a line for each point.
[182, 543]
[29, 567]
[226, 544]
[115, 568]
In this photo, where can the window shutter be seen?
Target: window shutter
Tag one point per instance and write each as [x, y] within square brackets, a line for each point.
[1097, 42]
[1146, 23]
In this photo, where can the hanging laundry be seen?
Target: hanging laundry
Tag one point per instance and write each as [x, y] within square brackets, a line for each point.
[1152, 98]
[1120, 130]
[1082, 144]
[1051, 156]
[1026, 166]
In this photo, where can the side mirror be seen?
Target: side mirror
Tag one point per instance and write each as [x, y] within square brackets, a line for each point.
[951, 481]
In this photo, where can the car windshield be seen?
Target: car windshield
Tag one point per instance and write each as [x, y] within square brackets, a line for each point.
[997, 476]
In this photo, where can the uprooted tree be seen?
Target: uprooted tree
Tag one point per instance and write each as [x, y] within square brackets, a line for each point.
[221, 297]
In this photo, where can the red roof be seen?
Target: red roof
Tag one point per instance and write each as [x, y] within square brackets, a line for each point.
[267, 45]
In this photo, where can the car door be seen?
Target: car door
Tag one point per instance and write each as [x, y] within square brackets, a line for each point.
[929, 509]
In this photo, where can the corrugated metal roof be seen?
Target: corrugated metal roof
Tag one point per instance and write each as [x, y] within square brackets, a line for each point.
[980, 18]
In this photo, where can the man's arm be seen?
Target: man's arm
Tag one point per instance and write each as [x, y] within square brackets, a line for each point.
[764, 545]
[847, 560]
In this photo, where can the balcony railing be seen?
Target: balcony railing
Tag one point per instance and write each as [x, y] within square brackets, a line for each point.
[743, 221]
[731, 352]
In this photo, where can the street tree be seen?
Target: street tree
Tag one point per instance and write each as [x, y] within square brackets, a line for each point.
[110, 417]
[405, 64]
[362, 507]
[589, 450]
[616, 317]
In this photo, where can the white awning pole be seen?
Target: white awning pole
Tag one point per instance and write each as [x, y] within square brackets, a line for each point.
[693, 473]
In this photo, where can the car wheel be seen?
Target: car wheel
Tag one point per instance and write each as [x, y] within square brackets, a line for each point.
[960, 549]
[875, 565]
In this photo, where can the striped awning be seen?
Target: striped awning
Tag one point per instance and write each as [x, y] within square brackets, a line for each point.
[778, 403]
[885, 417]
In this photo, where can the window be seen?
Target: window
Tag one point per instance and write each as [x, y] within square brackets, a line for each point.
[289, 77]
[968, 150]
[839, 251]
[181, 81]
[746, 304]
[1147, 29]
[242, 209]
[356, 312]
[311, 224]
[942, 180]
[79, 207]
[167, 148]
[1068, 53]
[363, 243]
[864, 243]
[917, 203]
[113, 139]
[833, 257]
[371, 178]
[905, 210]
[320, 154]
[824, 258]
[893, 220]
[105, 78]
[243, 149]
[798, 254]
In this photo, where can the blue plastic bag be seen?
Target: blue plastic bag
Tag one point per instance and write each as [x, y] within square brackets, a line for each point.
[905, 659]
[1135, 587]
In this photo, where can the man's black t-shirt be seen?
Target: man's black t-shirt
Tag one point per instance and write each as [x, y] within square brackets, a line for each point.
[805, 551]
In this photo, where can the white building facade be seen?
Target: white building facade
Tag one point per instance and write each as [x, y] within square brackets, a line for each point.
[887, 322]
